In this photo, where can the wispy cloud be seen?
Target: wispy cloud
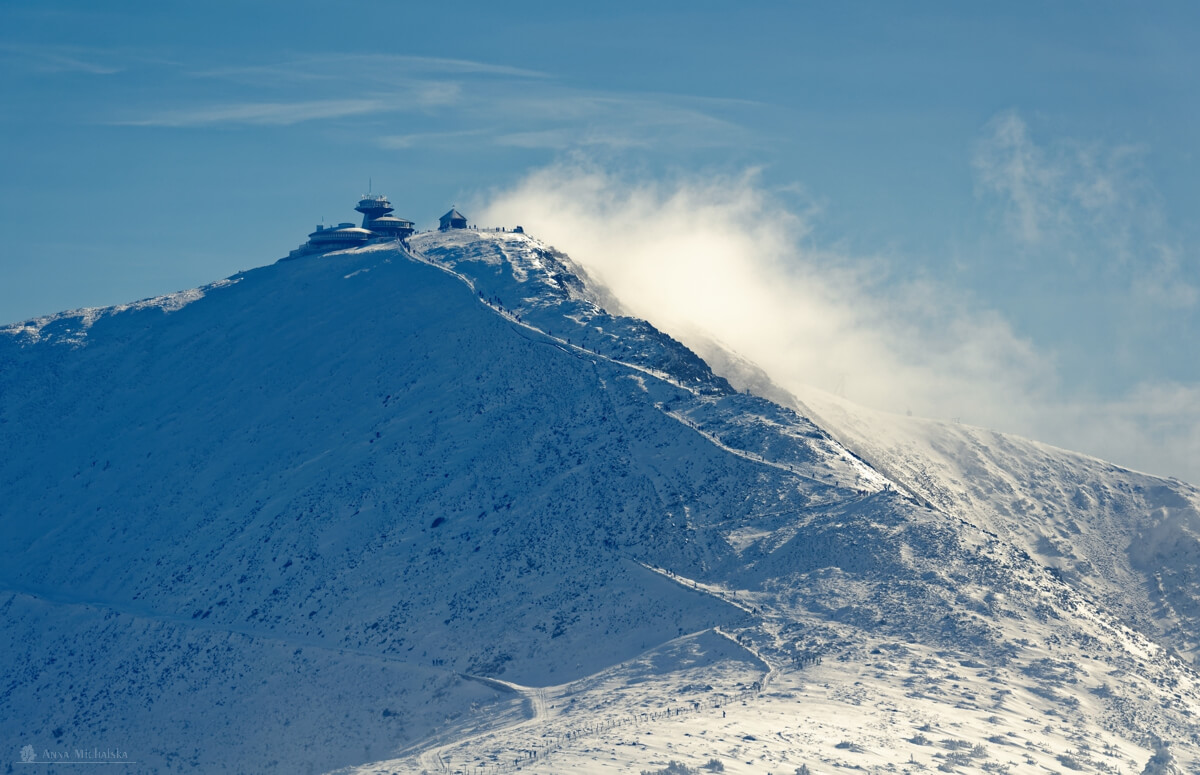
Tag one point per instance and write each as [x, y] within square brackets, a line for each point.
[498, 104]
[446, 139]
[1030, 185]
[270, 113]
[1052, 192]
[566, 138]
[636, 118]
[437, 65]
[62, 59]
[1086, 202]
[1161, 281]
[362, 68]
[556, 118]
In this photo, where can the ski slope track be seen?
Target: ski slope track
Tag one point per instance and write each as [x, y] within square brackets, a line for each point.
[438, 507]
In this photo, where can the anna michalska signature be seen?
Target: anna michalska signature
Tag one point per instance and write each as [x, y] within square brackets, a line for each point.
[82, 755]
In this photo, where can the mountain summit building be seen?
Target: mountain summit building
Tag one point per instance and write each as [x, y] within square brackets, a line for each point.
[452, 220]
[378, 225]
[378, 218]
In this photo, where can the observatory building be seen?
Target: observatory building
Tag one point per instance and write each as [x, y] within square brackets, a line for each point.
[340, 237]
[377, 217]
[378, 225]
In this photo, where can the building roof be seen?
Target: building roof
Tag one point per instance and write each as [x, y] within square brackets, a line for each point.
[342, 233]
[373, 201]
[391, 222]
[453, 215]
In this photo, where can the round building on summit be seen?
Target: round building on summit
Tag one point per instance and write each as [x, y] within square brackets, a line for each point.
[373, 206]
[378, 225]
[378, 218]
[391, 226]
[340, 237]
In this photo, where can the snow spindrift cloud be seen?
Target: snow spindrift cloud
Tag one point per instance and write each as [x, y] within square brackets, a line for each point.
[722, 260]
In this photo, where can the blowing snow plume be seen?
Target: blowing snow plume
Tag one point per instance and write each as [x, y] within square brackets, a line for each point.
[721, 261]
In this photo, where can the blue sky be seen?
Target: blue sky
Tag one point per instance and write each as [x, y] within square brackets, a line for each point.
[1035, 163]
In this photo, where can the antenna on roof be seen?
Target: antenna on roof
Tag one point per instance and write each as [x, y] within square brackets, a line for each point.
[369, 185]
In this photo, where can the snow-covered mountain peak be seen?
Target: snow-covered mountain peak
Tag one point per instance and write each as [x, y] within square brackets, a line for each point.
[435, 508]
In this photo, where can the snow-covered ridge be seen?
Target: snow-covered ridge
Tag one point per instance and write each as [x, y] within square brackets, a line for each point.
[71, 327]
[544, 289]
[437, 509]
[1129, 540]
[515, 273]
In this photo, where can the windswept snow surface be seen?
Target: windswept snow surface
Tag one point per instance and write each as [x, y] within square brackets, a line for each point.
[433, 508]
[1129, 540]
[72, 327]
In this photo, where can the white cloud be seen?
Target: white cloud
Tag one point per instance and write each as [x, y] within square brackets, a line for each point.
[721, 259]
[1010, 166]
[1091, 207]
[271, 113]
[502, 106]
[1070, 195]
[372, 68]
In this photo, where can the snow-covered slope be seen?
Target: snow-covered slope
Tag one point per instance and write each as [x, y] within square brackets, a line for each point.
[434, 508]
[1130, 541]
